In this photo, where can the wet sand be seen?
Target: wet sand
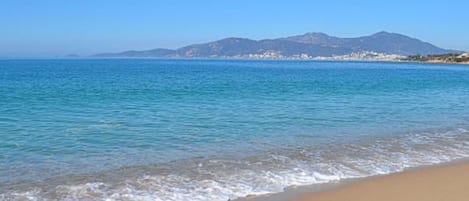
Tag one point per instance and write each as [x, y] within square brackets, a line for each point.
[440, 183]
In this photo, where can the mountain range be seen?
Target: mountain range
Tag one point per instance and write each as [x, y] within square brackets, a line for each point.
[309, 44]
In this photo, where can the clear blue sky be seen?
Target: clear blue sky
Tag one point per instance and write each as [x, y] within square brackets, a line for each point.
[60, 27]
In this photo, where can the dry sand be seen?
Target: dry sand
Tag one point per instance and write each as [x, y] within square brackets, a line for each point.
[439, 183]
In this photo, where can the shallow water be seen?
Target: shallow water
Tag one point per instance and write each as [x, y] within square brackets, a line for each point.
[218, 129]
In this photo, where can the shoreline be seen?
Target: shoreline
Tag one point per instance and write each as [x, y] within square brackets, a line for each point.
[232, 59]
[445, 181]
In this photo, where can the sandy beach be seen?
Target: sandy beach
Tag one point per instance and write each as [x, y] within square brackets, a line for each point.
[439, 183]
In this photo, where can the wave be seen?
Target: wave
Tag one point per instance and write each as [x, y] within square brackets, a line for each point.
[223, 179]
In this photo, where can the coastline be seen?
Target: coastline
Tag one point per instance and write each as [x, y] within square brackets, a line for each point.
[446, 181]
[234, 59]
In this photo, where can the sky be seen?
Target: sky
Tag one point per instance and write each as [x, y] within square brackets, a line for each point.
[31, 28]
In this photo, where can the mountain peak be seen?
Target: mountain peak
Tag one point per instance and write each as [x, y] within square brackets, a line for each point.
[385, 34]
[317, 38]
[315, 34]
[382, 33]
[234, 39]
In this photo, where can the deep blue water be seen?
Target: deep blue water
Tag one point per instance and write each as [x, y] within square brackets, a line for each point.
[219, 129]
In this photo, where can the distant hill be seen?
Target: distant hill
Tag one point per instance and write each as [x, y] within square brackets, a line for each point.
[309, 45]
[145, 53]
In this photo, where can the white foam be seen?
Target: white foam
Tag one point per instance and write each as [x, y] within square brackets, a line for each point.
[221, 180]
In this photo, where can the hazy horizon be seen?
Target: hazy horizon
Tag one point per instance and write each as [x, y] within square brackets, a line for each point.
[56, 28]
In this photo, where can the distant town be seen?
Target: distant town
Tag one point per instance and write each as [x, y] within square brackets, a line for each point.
[365, 56]
[358, 56]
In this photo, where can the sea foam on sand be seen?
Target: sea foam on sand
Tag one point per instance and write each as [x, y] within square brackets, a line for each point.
[223, 178]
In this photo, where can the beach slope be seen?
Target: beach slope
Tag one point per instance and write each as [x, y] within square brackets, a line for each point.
[441, 183]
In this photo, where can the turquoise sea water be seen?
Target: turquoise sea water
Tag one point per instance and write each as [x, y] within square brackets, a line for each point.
[131, 129]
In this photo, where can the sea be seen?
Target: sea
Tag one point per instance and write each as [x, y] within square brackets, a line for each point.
[217, 130]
